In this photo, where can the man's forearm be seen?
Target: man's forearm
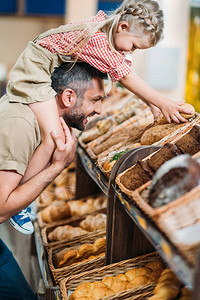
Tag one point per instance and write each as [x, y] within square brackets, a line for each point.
[27, 192]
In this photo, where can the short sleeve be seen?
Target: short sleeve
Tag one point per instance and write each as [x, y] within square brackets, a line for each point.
[18, 143]
[97, 53]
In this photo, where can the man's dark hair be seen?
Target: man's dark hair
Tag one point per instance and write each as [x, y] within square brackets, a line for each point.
[77, 76]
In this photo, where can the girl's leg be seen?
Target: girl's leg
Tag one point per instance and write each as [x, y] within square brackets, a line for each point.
[48, 118]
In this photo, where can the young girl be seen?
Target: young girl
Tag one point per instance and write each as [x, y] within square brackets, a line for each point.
[101, 41]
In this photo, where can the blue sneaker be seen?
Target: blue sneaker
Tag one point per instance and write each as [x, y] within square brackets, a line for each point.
[22, 222]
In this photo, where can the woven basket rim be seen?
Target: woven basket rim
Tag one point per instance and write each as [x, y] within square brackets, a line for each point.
[76, 219]
[128, 264]
[58, 272]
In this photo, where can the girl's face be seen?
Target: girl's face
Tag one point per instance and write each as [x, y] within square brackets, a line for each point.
[125, 41]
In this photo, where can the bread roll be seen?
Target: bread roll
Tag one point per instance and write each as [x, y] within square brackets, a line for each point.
[169, 290]
[94, 222]
[137, 281]
[154, 275]
[65, 232]
[162, 120]
[132, 273]
[82, 207]
[46, 197]
[154, 265]
[61, 193]
[58, 210]
[68, 257]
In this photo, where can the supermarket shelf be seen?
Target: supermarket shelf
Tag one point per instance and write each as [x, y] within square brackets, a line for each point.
[157, 239]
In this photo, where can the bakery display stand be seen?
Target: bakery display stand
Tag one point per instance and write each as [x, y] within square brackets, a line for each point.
[130, 232]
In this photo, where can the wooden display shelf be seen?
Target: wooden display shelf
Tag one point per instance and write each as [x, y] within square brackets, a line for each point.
[129, 231]
[52, 292]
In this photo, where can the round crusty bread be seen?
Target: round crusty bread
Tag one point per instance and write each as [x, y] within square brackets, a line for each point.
[190, 108]
[162, 120]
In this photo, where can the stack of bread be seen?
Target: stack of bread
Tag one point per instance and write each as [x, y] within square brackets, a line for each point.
[60, 209]
[144, 170]
[110, 285]
[138, 133]
[88, 224]
[62, 188]
[67, 257]
[130, 106]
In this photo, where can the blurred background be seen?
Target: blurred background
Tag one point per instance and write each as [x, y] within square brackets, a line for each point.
[172, 67]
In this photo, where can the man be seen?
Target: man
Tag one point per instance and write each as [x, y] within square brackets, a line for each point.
[79, 90]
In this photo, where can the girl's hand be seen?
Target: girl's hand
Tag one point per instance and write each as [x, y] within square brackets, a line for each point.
[171, 110]
[155, 111]
[64, 152]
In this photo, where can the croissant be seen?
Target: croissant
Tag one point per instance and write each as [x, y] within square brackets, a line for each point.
[84, 251]
[167, 286]
[58, 210]
[65, 232]
[114, 284]
[91, 290]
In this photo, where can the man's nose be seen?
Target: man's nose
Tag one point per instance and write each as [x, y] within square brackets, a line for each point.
[98, 107]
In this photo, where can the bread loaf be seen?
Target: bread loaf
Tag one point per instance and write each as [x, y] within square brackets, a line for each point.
[174, 178]
[157, 132]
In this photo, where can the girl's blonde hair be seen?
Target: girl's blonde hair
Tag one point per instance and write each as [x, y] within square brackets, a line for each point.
[143, 16]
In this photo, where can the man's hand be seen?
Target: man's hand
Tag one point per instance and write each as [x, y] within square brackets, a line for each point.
[64, 152]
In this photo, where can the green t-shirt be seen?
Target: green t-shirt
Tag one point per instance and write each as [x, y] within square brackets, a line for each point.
[19, 135]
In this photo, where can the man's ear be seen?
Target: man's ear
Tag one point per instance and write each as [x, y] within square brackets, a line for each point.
[123, 26]
[68, 98]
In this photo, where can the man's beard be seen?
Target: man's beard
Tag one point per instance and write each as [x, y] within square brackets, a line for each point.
[75, 120]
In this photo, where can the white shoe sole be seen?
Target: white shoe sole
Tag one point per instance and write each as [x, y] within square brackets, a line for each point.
[20, 229]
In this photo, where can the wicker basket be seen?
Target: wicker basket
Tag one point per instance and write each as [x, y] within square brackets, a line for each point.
[90, 264]
[74, 221]
[109, 106]
[142, 293]
[179, 213]
[43, 224]
[138, 122]
[108, 154]
[171, 139]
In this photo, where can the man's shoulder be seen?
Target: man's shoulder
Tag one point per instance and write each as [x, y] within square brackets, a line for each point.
[10, 110]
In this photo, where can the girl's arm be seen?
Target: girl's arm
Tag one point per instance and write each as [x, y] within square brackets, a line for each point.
[170, 109]
[47, 116]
